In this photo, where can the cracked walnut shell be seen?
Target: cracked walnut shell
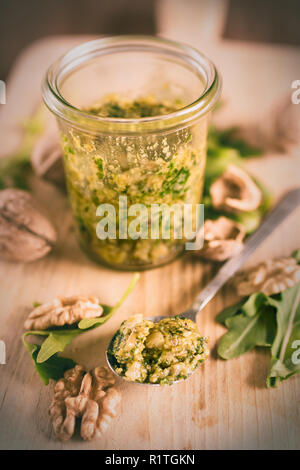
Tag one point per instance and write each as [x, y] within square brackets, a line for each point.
[63, 311]
[235, 191]
[25, 233]
[86, 395]
[269, 277]
[223, 238]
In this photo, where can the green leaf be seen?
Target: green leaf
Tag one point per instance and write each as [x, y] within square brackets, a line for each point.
[249, 306]
[296, 255]
[247, 332]
[229, 312]
[58, 339]
[254, 303]
[90, 323]
[285, 362]
[29, 346]
[270, 321]
[56, 342]
[15, 169]
[14, 173]
[227, 138]
[53, 368]
[249, 220]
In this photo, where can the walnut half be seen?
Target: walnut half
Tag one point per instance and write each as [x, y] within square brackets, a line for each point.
[86, 395]
[223, 238]
[63, 311]
[235, 191]
[269, 277]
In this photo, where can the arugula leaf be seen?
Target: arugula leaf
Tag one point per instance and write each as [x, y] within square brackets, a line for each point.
[229, 312]
[270, 321]
[248, 306]
[255, 302]
[54, 368]
[283, 362]
[246, 332]
[14, 172]
[56, 342]
[57, 339]
[15, 169]
[227, 139]
[296, 255]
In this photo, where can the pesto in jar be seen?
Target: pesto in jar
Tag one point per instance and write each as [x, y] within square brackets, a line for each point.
[159, 168]
[157, 353]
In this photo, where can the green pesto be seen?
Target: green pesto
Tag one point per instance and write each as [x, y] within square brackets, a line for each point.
[166, 168]
[157, 353]
[128, 109]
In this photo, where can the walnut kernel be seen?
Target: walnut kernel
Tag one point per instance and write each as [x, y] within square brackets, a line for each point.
[86, 395]
[63, 311]
[269, 277]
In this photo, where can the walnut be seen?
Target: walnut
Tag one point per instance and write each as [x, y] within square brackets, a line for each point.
[235, 191]
[86, 395]
[223, 238]
[25, 233]
[46, 158]
[269, 277]
[63, 311]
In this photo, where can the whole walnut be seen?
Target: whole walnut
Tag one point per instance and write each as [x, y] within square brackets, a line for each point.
[25, 233]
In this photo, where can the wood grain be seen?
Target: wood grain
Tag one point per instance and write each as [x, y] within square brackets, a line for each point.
[225, 405]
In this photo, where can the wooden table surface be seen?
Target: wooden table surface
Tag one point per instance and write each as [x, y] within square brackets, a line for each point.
[225, 405]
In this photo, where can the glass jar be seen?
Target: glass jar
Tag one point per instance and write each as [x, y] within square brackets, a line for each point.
[149, 160]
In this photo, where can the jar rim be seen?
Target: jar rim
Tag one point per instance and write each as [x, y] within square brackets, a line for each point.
[83, 120]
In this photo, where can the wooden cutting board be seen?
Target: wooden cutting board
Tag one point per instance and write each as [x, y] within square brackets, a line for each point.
[225, 405]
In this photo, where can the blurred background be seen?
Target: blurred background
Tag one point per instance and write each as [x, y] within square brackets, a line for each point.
[22, 22]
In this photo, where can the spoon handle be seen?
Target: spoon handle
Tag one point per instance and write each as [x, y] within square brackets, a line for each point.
[284, 208]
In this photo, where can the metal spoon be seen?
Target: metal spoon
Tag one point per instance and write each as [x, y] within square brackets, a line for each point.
[283, 209]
